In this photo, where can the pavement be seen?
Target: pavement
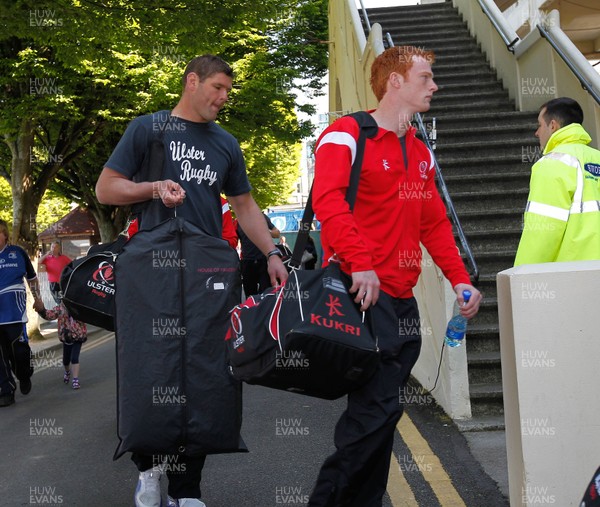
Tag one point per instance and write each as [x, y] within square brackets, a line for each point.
[488, 448]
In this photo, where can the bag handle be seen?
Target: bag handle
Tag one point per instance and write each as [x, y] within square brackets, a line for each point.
[367, 128]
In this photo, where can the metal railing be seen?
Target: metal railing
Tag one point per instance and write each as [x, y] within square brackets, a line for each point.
[585, 83]
[365, 16]
[508, 35]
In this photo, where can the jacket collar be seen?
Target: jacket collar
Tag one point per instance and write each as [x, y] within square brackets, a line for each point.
[573, 133]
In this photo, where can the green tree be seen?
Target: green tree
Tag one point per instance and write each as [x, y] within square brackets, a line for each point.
[73, 76]
[5, 201]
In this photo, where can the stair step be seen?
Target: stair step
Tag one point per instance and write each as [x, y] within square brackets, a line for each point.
[437, 41]
[503, 258]
[491, 220]
[445, 97]
[484, 358]
[473, 77]
[484, 368]
[468, 68]
[486, 390]
[454, 162]
[497, 103]
[498, 120]
[519, 150]
[487, 286]
[490, 241]
[486, 200]
[448, 136]
[481, 423]
[466, 89]
[488, 311]
[414, 11]
[505, 181]
[414, 26]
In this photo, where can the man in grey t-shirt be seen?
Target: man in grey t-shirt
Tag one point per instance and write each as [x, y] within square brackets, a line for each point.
[202, 160]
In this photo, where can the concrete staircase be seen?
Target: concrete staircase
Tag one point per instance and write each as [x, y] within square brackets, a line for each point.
[485, 150]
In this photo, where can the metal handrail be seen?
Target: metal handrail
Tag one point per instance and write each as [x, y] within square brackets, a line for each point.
[585, 84]
[364, 14]
[500, 25]
[444, 189]
[449, 203]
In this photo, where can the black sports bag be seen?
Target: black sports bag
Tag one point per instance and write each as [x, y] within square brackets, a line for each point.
[88, 285]
[306, 336]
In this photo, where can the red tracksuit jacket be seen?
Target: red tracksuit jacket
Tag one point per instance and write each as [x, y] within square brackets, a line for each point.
[396, 208]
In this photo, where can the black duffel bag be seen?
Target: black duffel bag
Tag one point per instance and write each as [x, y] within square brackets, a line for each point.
[88, 285]
[307, 336]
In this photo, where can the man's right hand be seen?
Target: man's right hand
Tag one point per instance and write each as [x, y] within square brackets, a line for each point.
[169, 192]
[366, 286]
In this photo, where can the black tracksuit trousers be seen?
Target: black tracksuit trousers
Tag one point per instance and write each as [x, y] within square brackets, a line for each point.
[356, 474]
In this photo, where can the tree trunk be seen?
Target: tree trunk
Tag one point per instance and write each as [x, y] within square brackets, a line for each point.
[111, 220]
[27, 188]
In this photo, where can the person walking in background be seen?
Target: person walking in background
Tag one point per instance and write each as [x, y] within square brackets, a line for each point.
[201, 161]
[53, 263]
[562, 217]
[15, 353]
[72, 334]
[255, 278]
[385, 225]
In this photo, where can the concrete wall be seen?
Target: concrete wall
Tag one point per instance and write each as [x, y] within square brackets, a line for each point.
[550, 346]
[350, 58]
[436, 303]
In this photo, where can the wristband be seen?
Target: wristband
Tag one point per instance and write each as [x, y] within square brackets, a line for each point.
[273, 252]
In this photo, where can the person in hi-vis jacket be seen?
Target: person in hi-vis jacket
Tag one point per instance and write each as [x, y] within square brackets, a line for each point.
[562, 217]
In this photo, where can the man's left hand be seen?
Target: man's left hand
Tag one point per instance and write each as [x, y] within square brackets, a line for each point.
[472, 307]
[277, 271]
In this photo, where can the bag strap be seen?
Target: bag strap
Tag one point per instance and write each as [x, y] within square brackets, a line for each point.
[367, 128]
[153, 170]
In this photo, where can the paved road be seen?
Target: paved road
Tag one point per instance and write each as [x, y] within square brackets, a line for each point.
[57, 447]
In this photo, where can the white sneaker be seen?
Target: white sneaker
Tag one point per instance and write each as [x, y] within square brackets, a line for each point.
[184, 502]
[147, 491]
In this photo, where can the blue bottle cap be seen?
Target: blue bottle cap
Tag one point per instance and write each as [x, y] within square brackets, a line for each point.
[466, 295]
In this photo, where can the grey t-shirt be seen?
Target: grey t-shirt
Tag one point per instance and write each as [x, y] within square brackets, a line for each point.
[202, 157]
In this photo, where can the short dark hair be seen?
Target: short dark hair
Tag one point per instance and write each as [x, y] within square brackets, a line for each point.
[205, 66]
[564, 110]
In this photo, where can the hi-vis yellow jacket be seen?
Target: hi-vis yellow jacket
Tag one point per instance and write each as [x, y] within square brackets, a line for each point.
[562, 218]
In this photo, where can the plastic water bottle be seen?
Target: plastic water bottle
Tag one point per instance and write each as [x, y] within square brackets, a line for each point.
[457, 326]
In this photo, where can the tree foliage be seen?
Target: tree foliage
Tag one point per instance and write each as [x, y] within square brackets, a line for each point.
[72, 76]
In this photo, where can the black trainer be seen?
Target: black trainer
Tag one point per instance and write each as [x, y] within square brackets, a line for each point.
[7, 399]
[25, 386]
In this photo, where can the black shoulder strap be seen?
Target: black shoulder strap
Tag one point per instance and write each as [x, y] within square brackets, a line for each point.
[152, 165]
[367, 128]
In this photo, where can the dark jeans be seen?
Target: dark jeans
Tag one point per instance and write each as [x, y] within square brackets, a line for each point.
[356, 474]
[184, 472]
[255, 276]
[71, 353]
[15, 356]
